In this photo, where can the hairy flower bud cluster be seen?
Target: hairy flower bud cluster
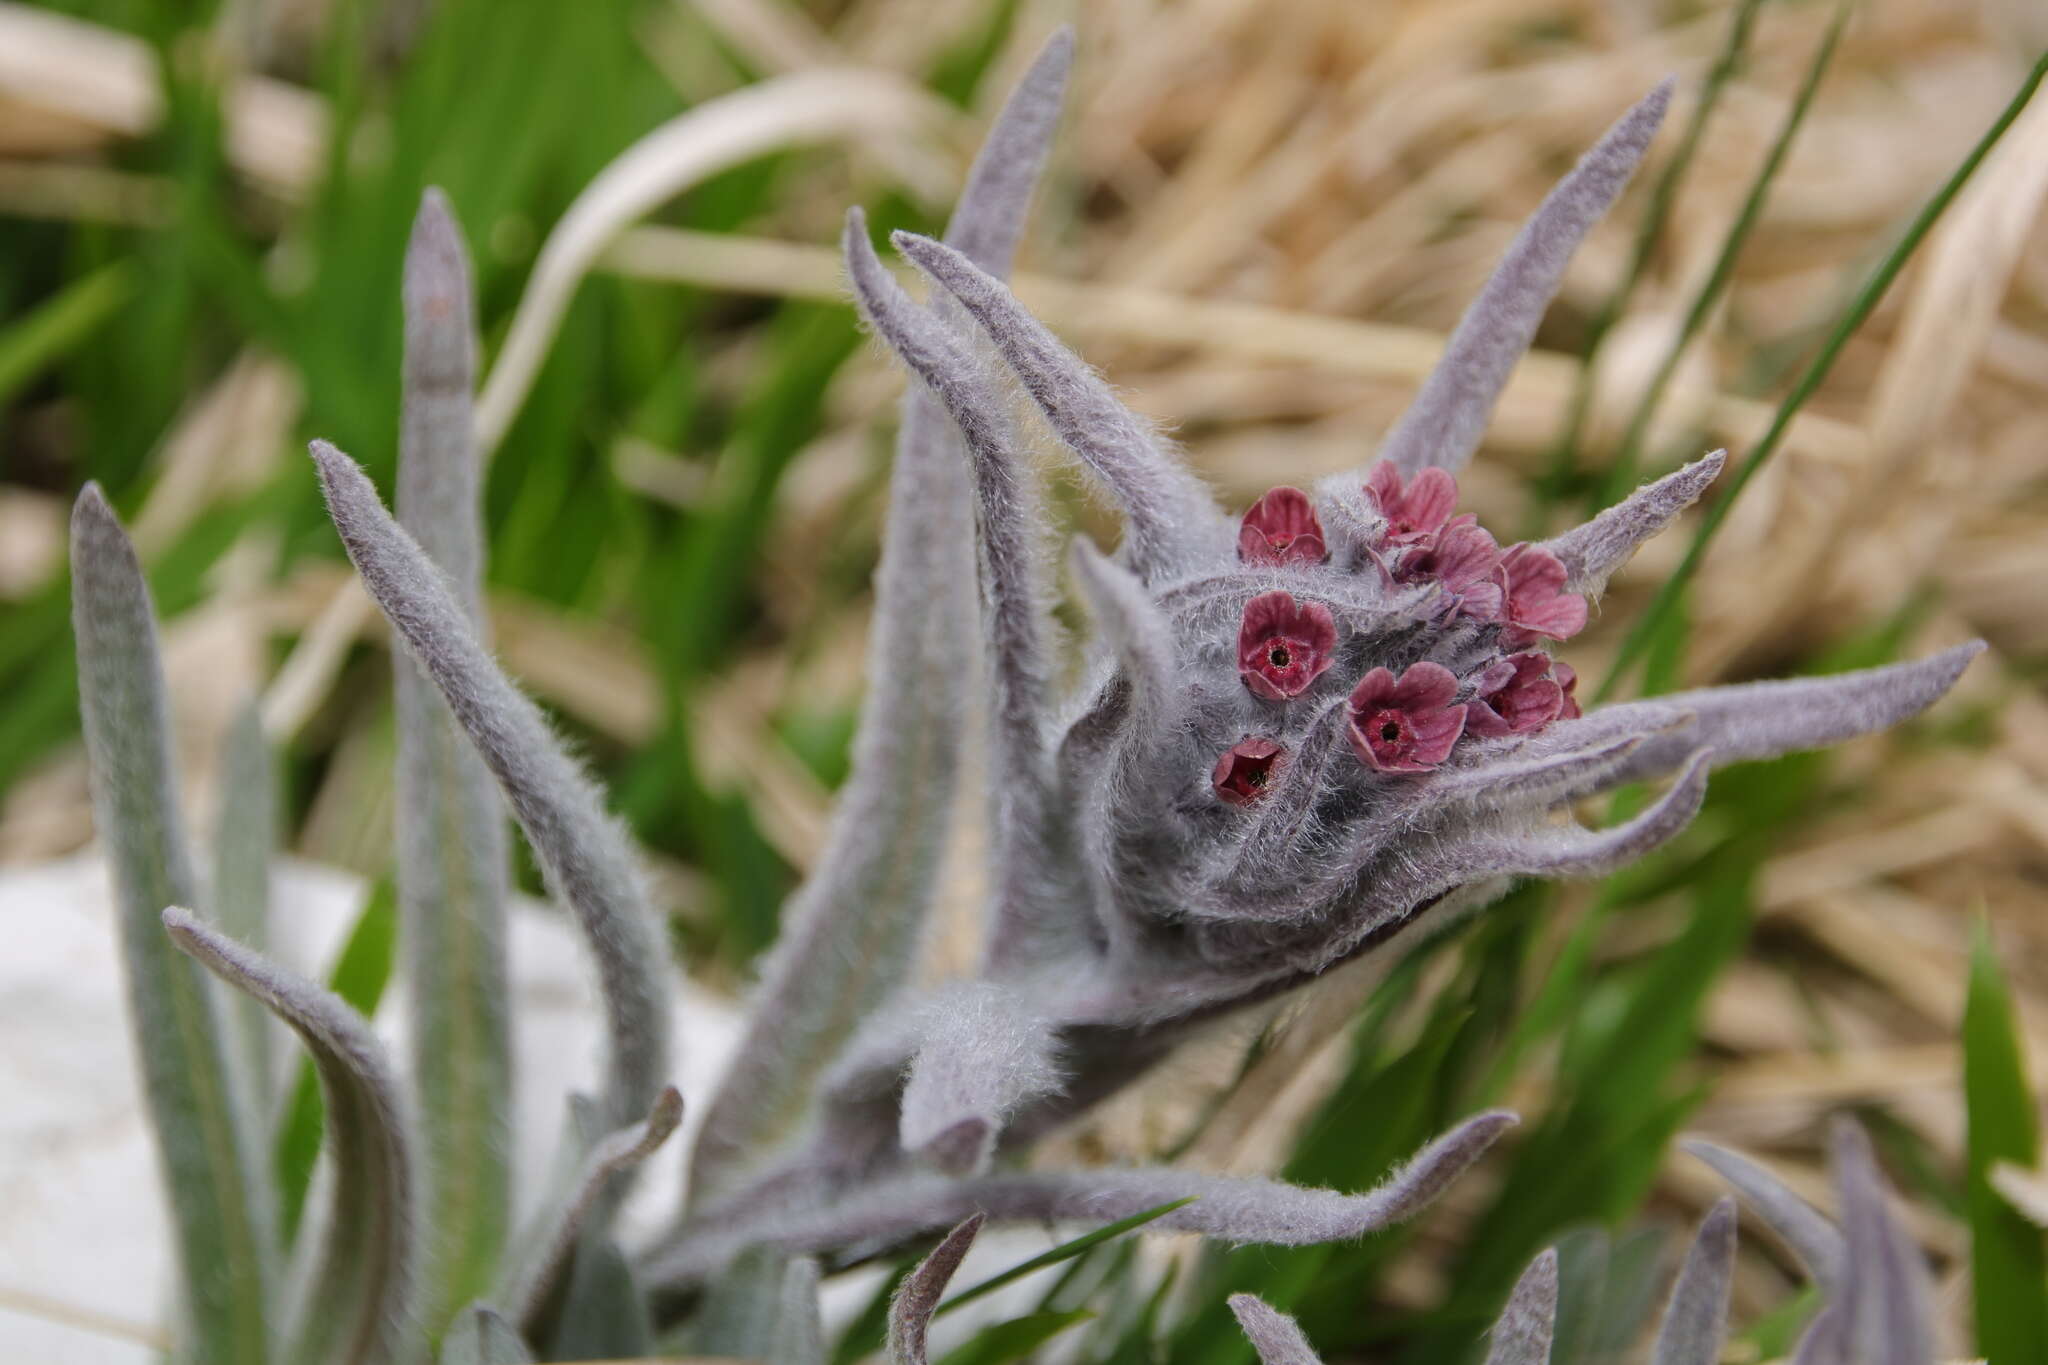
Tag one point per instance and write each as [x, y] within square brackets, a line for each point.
[1412, 721]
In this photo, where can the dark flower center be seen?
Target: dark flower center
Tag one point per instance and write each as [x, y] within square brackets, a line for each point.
[1279, 657]
[1390, 732]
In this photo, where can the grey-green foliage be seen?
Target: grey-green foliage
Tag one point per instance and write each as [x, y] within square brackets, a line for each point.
[359, 1304]
[1133, 895]
[245, 838]
[1877, 1294]
[450, 824]
[204, 1149]
[480, 1335]
[850, 933]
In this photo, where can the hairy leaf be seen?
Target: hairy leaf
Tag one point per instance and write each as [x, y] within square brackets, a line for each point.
[361, 1300]
[449, 823]
[1813, 1238]
[798, 1337]
[885, 1213]
[1173, 524]
[244, 843]
[586, 855]
[1522, 1334]
[1029, 907]
[204, 1152]
[1766, 719]
[480, 1335]
[985, 1051]
[1592, 552]
[1696, 1319]
[1887, 1297]
[910, 1312]
[1443, 425]
[849, 933]
[562, 1229]
[1273, 1334]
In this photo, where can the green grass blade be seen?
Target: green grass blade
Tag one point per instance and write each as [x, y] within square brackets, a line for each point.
[1015, 1339]
[2008, 1254]
[217, 1210]
[1063, 1252]
[61, 325]
[1860, 308]
[1621, 477]
[359, 976]
[1663, 193]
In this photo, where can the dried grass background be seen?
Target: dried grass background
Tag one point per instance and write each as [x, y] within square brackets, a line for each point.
[1265, 218]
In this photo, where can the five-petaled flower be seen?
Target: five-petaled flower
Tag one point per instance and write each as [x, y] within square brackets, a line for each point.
[1283, 645]
[1537, 604]
[1418, 512]
[1517, 694]
[1406, 724]
[1464, 560]
[1247, 769]
[1281, 528]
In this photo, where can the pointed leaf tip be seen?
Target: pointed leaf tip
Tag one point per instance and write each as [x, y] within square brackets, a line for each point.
[1171, 521]
[1813, 1238]
[584, 853]
[362, 1294]
[989, 219]
[1592, 552]
[1696, 1318]
[1450, 413]
[1522, 1333]
[917, 1299]
[1276, 1337]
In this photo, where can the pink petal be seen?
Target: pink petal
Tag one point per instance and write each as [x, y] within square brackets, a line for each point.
[1245, 772]
[1568, 683]
[1431, 499]
[1425, 687]
[1281, 528]
[1302, 633]
[1374, 691]
[1435, 734]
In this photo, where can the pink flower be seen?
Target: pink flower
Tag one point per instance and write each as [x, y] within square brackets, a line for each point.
[1568, 682]
[1465, 560]
[1246, 771]
[1516, 695]
[1422, 509]
[1537, 604]
[1405, 725]
[1281, 528]
[1283, 646]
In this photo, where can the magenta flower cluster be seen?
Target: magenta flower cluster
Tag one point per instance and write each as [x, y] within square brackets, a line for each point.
[1410, 722]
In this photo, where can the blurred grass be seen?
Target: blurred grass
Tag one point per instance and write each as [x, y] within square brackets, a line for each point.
[682, 520]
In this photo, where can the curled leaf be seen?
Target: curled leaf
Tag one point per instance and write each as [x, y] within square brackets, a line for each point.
[1814, 1239]
[584, 853]
[555, 1243]
[917, 1298]
[1173, 523]
[361, 1300]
